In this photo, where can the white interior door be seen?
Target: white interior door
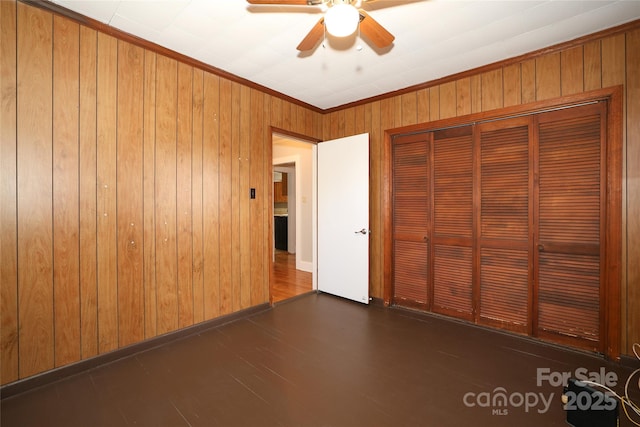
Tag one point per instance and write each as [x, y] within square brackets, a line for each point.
[343, 217]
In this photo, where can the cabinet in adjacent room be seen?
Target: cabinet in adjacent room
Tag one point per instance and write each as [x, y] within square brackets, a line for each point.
[281, 232]
[280, 189]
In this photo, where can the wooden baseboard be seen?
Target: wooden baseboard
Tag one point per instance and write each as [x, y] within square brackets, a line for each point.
[57, 374]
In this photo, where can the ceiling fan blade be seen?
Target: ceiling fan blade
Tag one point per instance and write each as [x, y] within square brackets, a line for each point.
[374, 31]
[313, 37]
[287, 2]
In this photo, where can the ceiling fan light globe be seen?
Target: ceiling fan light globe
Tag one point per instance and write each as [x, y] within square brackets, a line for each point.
[342, 20]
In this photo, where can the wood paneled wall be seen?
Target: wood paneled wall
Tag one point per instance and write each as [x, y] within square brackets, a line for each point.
[597, 63]
[125, 209]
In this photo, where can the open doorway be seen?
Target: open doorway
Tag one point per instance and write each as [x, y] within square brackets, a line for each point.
[294, 215]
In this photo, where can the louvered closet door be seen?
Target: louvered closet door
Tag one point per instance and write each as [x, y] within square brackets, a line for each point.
[504, 224]
[453, 222]
[570, 214]
[411, 216]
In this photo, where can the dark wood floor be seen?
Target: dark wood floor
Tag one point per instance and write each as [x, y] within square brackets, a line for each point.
[316, 360]
[286, 281]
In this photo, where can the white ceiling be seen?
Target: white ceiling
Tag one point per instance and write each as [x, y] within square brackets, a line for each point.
[434, 39]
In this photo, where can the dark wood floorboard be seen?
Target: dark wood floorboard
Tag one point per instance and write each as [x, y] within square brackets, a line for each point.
[315, 361]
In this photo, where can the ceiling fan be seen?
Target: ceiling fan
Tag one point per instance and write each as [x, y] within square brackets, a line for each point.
[341, 19]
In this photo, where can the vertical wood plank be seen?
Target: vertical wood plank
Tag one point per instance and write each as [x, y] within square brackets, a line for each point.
[256, 222]
[423, 105]
[66, 216]
[512, 85]
[184, 196]
[326, 127]
[476, 93]
[592, 65]
[301, 119]
[243, 194]
[463, 96]
[359, 117]
[368, 111]
[226, 160]
[548, 77]
[88, 182]
[613, 60]
[210, 194]
[8, 186]
[434, 100]
[196, 160]
[34, 184]
[106, 197]
[492, 90]
[387, 115]
[397, 110]
[342, 123]
[409, 102]
[448, 100]
[571, 71]
[276, 112]
[295, 118]
[631, 293]
[309, 125]
[235, 191]
[334, 130]
[165, 195]
[528, 73]
[349, 121]
[318, 124]
[285, 112]
[339, 127]
[130, 194]
[149, 184]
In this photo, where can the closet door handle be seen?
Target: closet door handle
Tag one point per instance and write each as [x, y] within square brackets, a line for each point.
[541, 248]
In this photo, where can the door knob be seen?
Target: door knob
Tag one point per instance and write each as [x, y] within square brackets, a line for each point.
[363, 231]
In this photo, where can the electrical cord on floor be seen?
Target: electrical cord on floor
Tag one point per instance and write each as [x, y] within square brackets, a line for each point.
[625, 399]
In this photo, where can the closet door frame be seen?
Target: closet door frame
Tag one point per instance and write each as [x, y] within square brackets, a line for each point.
[612, 258]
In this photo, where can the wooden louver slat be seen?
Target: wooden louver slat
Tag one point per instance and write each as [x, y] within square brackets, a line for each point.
[504, 292]
[410, 272]
[505, 184]
[453, 187]
[452, 280]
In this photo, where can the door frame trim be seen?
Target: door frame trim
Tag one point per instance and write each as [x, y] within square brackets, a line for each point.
[612, 262]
